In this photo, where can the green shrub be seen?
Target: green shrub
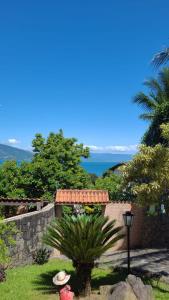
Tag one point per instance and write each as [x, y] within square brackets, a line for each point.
[7, 232]
[93, 209]
[2, 273]
[41, 256]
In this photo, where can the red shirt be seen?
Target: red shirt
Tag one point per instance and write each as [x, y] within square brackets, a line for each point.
[65, 293]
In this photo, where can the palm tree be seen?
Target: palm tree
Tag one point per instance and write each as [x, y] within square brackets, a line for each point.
[156, 106]
[83, 239]
[161, 57]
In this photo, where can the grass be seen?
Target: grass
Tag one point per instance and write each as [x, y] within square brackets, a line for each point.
[35, 282]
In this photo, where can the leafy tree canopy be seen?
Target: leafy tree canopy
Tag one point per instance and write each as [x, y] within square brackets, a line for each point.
[111, 183]
[10, 180]
[56, 164]
[148, 173]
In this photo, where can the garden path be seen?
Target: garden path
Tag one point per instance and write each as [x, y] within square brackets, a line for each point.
[145, 260]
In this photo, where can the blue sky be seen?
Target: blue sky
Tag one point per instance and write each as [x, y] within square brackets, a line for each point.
[76, 65]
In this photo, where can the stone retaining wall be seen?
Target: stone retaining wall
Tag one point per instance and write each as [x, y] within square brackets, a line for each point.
[146, 232]
[31, 227]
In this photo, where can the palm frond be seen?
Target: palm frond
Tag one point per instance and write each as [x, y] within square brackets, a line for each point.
[84, 238]
[161, 57]
[147, 116]
[145, 101]
[164, 81]
[153, 85]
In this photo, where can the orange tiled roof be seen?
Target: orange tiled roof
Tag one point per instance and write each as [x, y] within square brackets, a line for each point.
[82, 197]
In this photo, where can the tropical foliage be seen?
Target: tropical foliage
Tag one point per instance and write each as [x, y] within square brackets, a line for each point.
[161, 57]
[156, 107]
[83, 239]
[41, 256]
[147, 174]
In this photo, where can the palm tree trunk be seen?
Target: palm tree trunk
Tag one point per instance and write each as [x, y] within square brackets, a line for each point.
[83, 272]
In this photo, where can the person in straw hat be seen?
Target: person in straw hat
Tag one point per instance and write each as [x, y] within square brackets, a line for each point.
[60, 279]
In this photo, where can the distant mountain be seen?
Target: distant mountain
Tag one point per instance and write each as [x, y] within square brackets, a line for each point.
[107, 157]
[13, 153]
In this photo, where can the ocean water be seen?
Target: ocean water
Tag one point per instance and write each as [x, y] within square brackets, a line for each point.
[97, 168]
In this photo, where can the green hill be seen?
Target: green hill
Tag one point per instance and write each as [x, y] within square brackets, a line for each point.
[13, 153]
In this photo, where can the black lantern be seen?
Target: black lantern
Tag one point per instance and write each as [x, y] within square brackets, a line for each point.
[128, 218]
[128, 221]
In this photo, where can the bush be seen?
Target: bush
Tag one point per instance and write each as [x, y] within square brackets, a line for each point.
[41, 256]
[112, 184]
[7, 232]
[93, 209]
[2, 273]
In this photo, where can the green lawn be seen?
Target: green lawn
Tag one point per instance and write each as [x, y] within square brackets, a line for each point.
[35, 282]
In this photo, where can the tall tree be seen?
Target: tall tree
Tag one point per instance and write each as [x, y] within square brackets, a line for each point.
[56, 163]
[10, 180]
[147, 174]
[156, 107]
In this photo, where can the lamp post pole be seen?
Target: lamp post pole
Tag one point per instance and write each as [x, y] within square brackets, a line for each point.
[128, 249]
[128, 221]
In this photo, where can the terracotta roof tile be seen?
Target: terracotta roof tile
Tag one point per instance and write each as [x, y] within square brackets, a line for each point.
[81, 197]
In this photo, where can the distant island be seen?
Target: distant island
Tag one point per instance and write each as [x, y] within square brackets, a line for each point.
[13, 153]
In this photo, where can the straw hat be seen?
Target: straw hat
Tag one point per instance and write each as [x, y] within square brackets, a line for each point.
[61, 278]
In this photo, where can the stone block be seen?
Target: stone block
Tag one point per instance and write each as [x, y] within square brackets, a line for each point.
[131, 289]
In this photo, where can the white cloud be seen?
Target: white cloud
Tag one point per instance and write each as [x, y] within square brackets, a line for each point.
[113, 149]
[13, 141]
[94, 148]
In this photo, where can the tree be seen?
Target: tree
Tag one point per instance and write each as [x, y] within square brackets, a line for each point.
[56, 164]
[147, 174]
[82, 239]
[161, 57]
[156, 106]
[110, 183]
[10, 180]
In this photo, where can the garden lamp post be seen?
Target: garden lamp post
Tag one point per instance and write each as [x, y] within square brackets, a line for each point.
[128, 221]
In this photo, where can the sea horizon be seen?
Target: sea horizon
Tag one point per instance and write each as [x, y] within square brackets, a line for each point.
[97, 163]
[97, 168]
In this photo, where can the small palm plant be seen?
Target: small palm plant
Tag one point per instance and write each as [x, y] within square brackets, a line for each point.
[83, 239]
